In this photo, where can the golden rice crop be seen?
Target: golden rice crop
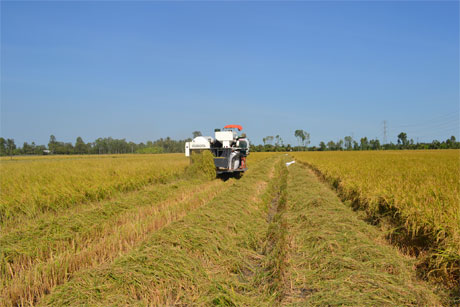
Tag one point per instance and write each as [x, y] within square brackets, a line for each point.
[30, 186]
[273, 231]
[420, 188]
[40, 253]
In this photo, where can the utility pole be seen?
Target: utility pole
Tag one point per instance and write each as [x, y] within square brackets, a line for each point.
[385, 131]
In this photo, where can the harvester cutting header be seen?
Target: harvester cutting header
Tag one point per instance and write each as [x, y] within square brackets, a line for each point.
[229, 149]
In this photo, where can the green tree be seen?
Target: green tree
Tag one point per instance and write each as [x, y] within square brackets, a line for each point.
[278, 141]
[322, 146]
[339, 145]
[3, 150]
[435, 144]
[451, 142]
[307, 138]
[402, 139]
[364, 143]
[27, 149]
[268, 140]
[348, 142]
[303, 137]
[355, 145]
[331, 145]
[80, 146]
[67, 148]
[196, 134]
[375, 144]
[38, 149]
[10, 146]
[52, 144]
[300, 136]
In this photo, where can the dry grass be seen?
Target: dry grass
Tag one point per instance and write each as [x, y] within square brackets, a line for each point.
[201, 166]
[189, 241]
[42, 252]
[259, 243]
[211, 256]
[416, 193]
[335, 259]
[30, 186]
[41, 257]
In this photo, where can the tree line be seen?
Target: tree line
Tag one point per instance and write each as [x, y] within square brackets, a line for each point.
[99, 146]
[275, 143]
[270, 143]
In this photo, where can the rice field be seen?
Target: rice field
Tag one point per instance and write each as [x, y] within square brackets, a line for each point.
[237, 251]
[418, 191]
[33, 185]
[152, 230]
[63, 214]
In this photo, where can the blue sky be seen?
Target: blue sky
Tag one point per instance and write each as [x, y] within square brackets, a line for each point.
[145, 70]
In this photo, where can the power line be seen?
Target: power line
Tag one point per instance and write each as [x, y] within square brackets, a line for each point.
[438, 126]
[437, 120]
[432, 125]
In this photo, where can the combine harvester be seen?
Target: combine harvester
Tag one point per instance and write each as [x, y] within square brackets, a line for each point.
[229, 149]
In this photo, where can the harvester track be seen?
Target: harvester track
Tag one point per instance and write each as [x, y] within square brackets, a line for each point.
[39, 267]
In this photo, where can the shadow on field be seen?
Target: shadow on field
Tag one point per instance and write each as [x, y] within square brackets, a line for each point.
[226, 176]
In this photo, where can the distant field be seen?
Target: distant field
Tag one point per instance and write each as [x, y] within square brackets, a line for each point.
[419, 190]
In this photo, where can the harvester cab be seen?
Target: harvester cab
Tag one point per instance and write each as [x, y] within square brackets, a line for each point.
[228, 148]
